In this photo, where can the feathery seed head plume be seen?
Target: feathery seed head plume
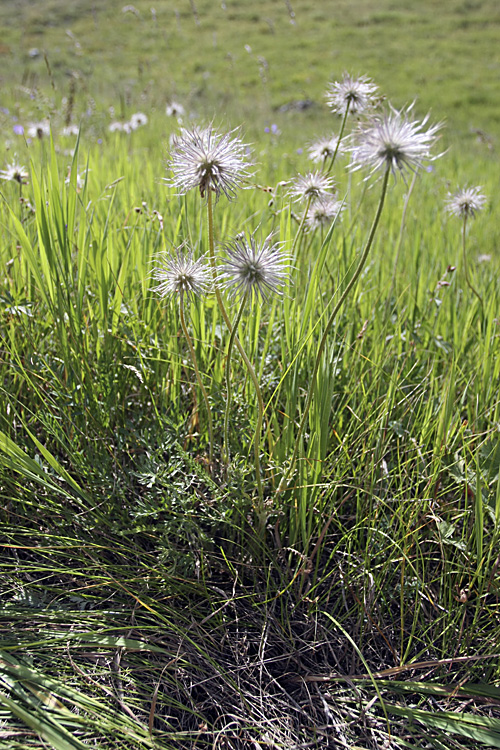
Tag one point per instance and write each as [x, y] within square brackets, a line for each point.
[466, 203]
[313, 185]
[138, 119]
[15, 172]
[322, 213]
[393, 141]
[205, 159]
[179, 273]
[352, 95]
[253, 266]
[324, 148]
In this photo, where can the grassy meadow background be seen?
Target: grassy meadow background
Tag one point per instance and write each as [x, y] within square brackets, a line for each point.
[141, 604]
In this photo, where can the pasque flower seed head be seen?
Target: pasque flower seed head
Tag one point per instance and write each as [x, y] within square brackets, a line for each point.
[466, 202]
[323, 212]
[352, 95]
[324, 148]
[312, 186]
[15, 172]
[393, 141]
[179, 273]
[253, 266]
[211, 161]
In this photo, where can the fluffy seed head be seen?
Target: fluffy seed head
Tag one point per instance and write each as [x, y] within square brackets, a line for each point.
[178, 272]
[313, 185]
[138, 119]
[393, 141]
[174, 109]
[254, 267]
[355, 95]
[205, 159]
[466, 202]
[324, 148]
[38, 130]
[322, 213]
[15, 172]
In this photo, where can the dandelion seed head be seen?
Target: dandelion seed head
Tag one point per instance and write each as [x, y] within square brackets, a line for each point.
[393, 141]
[15, 173]
[354, 95]
[115, 127]
[254, 267]
[322, 213]
[312, 186]
[205, 159]
[177, 272]
[466, 203]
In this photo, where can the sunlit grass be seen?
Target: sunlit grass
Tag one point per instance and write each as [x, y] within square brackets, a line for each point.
[162, 590]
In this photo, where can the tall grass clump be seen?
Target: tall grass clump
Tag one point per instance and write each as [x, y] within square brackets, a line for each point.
[249, 455]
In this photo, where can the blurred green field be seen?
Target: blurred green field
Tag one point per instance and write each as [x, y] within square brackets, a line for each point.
[239, 61]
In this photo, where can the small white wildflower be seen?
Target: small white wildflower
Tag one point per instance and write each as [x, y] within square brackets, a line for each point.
[393, 141]
[466, 202]
[354, 95]
[252, 266]
[324, 148]
[138, 119]
[15, 173]
[313, 185]
[208, 160]
[322, 213]
[127, 127]
[115, 127]
[179, 273]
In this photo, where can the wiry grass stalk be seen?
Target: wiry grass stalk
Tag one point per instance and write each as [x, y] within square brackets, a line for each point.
[198, 377]
[329, 324]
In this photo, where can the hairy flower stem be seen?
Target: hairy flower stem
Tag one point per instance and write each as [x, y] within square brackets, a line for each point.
[198, 377]
[466, 265]
[400, 238]
[226, 451]
[248, 364]
[329, 324]
[340, 136]
[301, 226]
